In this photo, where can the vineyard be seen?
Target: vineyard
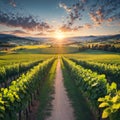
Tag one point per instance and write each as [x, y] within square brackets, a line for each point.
[98, 81]
[20, 84]
[96, 77]
[59, 59]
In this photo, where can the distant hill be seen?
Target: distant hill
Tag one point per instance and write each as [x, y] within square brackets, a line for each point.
[95, 38]
[107, 38]
[7, 39]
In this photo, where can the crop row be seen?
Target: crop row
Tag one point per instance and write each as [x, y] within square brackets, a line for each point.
[95, 89]
[15, 70]
[111, 71]
[19, 95]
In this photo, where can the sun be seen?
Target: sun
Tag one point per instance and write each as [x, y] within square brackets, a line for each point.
[59, 35]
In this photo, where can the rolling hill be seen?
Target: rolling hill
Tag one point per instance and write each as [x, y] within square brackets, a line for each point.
[7, 39]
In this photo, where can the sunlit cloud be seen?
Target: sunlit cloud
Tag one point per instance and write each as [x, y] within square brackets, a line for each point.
[68, 28]
[99, 11]
[41, 34]
[88, 26]
[73, 12]
[22, 33]
[26, 22]
[78, 17]
[16, 32]
[64, 6]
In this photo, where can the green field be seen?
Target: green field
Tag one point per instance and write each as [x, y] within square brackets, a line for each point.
[6, 59]
[33, 53]
[49, 50]
[97, 56]
[24, 69]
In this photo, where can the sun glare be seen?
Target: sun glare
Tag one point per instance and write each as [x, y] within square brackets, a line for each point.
[59, 35]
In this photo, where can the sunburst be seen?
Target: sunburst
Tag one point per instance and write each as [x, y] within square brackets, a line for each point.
[59, 35]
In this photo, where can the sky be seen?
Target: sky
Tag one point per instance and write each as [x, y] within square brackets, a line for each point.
[68, 18]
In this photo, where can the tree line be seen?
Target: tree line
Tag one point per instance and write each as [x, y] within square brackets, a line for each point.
[105, 47]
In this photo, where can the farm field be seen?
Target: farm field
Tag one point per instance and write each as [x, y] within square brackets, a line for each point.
[85, 75]
[49, 50]
[94, 82]
[97, 56]
[7, 59]
[59, 59]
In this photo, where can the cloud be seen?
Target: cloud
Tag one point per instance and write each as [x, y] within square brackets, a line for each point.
[51, 31]
[65, 28]
[41, 34]
[18, 32]
[88, 26]
[68, 28]
[24, 33]
[97, 20]
[10, 2]
[15, 32]
[64, 6]
[26, 22]
[73, 14]
[13, 3]
[99, 11]
[73, 11]
[107, 11]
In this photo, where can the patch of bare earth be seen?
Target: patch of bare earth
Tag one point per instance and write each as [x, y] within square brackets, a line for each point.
[34, 109]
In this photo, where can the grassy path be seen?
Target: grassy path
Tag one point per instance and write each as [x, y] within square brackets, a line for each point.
[45, 97]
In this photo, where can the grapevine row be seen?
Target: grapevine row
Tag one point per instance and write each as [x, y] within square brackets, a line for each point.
[94, 88]
[19, 95]
[12, 70]
[111, 71]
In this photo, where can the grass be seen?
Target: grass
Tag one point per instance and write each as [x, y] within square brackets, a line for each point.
[81, 109]
[97, 56]
[46, 92]
[7, 59]
[37, 53]
[48, 50]
[97, 52]
[30, 47]
[55, 50]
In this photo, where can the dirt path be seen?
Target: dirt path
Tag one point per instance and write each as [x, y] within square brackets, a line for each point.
[62, 109]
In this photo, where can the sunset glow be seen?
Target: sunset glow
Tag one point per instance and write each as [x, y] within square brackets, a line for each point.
[59, 35]
[41, 18]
